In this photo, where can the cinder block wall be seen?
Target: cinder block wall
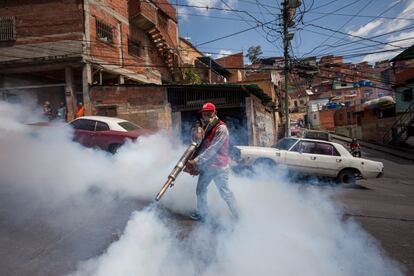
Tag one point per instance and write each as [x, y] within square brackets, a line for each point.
[145, 106]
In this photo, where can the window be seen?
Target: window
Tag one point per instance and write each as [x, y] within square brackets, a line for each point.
[408, 95]
[326, 149]
[308, 147]
[84, 124]
[285, 143]
[101, 126]
[301, 102]
[104, 31]
[134, 47]
[128, 126]
[108, 111]
[7, 28]
[296, 103]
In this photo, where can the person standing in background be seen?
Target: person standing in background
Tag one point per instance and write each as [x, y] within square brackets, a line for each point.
[81, 110]
[61, 112]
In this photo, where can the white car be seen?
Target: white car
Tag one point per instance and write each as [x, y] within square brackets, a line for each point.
[312, 157]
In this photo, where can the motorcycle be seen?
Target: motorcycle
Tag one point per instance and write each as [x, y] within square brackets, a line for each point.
[355, 150]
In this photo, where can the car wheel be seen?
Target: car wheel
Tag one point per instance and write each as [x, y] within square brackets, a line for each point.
[264, 164]
[114, 148]
[347, 178]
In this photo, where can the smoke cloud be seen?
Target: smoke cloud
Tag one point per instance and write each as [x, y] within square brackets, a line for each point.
[284, 228]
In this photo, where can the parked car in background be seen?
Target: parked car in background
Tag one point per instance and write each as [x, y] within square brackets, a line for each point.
[107, 133]
[316, 134]
[311, 157]
[294, 128]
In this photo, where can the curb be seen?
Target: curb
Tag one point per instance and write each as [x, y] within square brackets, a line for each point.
[379, 148]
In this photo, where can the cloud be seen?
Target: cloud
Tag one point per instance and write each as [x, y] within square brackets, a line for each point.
[396, 24]
[408, 40]
[211, 3]
[366, 29]
[381, 26]
[223, 53]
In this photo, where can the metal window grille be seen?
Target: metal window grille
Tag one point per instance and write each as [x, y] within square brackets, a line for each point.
[7, 28]
[104, 31]
[134, 47]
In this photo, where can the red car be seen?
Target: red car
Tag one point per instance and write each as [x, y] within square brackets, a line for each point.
[107, 133]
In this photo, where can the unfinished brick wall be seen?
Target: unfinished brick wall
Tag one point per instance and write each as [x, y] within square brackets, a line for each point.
[147, 61]
[145, 106]
[35, 19]
[326, 120]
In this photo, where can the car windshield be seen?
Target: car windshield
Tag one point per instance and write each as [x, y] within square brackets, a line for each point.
[128, 126]
[285, 143]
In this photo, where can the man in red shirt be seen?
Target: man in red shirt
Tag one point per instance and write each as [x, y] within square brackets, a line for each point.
[212, 162]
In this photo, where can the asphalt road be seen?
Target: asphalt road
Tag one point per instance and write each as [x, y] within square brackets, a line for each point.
[385, 206]
[44, 242]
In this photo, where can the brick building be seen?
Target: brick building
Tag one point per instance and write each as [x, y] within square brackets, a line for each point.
[57, 49]
[244, 108]
[235, 64]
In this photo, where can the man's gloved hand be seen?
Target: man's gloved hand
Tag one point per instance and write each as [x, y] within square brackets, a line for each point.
[190, 168]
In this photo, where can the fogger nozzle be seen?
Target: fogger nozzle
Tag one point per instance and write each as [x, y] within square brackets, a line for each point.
[179, 166]
[164, 188]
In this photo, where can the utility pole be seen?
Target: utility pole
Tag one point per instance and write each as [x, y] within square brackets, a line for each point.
[289, 11]
[286, 69]
[209, 71]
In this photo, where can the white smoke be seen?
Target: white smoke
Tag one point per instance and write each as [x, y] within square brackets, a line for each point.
[284, 229]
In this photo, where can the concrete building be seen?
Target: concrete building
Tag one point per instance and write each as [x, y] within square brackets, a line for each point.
[56, 50]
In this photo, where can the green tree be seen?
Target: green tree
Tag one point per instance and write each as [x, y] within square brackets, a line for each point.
[191, 76]
[254, 54]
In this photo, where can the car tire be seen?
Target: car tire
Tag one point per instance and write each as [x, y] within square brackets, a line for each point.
[347, 178]
[113, 148]
[264, 164]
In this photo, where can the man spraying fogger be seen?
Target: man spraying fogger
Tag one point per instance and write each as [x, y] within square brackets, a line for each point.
[212, 163]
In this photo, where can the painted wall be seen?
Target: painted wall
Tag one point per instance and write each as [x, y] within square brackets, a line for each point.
[260, 123]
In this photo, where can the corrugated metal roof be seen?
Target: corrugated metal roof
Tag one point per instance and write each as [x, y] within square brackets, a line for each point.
[405, 55]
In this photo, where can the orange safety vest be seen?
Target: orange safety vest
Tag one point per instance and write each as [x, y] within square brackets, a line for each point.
[80, 112]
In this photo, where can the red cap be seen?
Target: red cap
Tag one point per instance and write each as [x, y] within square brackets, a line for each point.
[208, 107]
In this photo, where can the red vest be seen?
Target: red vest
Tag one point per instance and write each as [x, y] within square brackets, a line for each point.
[222, 157]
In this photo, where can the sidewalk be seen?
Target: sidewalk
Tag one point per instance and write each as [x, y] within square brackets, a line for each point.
[404, 153]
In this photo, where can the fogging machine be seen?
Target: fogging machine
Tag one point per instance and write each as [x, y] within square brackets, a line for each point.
[179, 167]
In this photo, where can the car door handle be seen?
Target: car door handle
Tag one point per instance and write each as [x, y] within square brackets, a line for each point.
[338, 160]
[313, 157]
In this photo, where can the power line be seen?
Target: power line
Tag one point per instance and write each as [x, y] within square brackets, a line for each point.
[343, 25]
[364, 16]
[329, 13]
[383, 12]
[357, 36]
[233, 34]
[376, 36]
[324, 5]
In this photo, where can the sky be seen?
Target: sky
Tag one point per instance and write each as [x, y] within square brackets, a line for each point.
[339, 27]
